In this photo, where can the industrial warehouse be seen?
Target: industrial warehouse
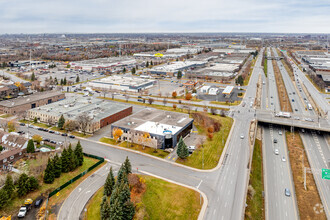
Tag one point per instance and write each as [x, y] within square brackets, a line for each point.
[154, 128]
[99, 113]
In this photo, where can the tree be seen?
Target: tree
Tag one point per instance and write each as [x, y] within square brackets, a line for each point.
[151, 63]
[33, 183]
[179, 75]
[213, 111]
[1, 148]
[35, 120]
[127, 166]
[117, 133]
[22, 186]
[133, 70]
[174, 106]
[73, 161]
[188, 96]
[124, 70]
[122, 175]
[182, 150]
[49, 176]
[109, 183]
[4, 198]
[105, 209]
[64, 81]
[164, 101]
[150, 100]
[33, 77]
[84, 122]
[9, 186]
[174, 94]
[70, 125]
[116, 210]
[240, 80]
[65, 161]
[61, 122]
[147, 64]
[78, 151]
[30, 147]
[37, 138]
[77, 79]
[11, 126]
[57, 166]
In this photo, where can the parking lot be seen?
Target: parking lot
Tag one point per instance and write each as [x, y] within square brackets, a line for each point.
[221, 97]
[166, 87]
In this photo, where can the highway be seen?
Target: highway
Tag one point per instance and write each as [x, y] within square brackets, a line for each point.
[277, 173]
[316, 146]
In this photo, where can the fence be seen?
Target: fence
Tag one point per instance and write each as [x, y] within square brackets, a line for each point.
[101, 160]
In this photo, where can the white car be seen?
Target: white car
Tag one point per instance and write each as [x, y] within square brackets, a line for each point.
[242, 136]
[56, 132]
[22, 212]
[280, 132]
[276, 151]
[283, 159]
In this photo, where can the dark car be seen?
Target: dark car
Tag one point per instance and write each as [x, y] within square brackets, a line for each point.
[72, 136]
[22, 124]
[52, 132]
[38, 203]
[53, 142]
[64, 134]
[40, 129]
[45, 130]
[46, 139]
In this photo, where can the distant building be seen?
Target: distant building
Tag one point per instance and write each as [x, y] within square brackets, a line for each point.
[100, 112]
[25, 103]
[164, 127]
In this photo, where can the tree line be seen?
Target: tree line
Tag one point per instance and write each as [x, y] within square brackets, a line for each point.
[116, 202]
[67, 162]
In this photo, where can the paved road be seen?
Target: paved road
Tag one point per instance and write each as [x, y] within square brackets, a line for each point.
[12, 77]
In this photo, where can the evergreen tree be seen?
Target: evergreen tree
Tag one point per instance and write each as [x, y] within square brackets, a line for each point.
[133, 70]
[9, 186]
[147, 64]
[33, 77]
[33, 183]
[179, 75]
[72, 159]
[122, 176]
[61, 82]
[56, 81]
[57, 166]
[4, 198]
[124, 192]
[109, 183]
[128, 210]
[30, 147]
[77, 79]
[105, 209]
[182, 149]
[124, 70]
[127, 166]
[64, 81]
[35, 120]
[49, 176]
[116, 210]
[65, 161]
[78, 151]
[61, 122]
[22, 186]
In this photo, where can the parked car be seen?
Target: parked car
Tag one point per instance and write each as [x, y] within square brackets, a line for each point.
[22, 212]
[22, 124]
[38, 203]
[50, 131]
[275, 140]
[72, 136]
[64, 134]
[191, 149]
[40, 129]
[56, 132]
[46, 139]
[53, 142]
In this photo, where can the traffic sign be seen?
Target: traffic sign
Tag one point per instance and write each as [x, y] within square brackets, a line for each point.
[326, 174]
[58, 193]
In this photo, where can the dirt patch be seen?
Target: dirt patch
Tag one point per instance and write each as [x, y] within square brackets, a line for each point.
[282, 93]
[307, 199]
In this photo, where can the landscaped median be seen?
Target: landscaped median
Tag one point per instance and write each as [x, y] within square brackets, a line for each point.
[159, 199]
[255, 200]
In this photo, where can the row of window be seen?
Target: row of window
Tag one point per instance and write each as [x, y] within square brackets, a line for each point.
[11, 157]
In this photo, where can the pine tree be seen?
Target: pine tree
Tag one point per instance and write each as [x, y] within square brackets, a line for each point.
[77, 79]
[182, 149]
[128, 210]
[147, 64]
[72, 159]
[122, 176]
[105, 209]
[124, 192]
[61, 122]
[78, 151]
[30, 147]
[116, 211]
[57, 166]
[4, 198]
[9, 186]
[22, 187]
[33, 77]
[109, 183]
[65, 161]
[49, 176]
[33, 183]
[127, 166]
[56, 81]
[151, 63]
[64, 81]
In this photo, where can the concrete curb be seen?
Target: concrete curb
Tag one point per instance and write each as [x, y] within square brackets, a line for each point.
[173, 163]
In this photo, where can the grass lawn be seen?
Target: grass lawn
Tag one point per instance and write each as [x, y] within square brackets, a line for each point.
[212, 148]
[5, 116]
[108, 141]
[164, 200]
[79, 134]
[57, 129]
[148, 150]
[39, 124]
[255, 203]
[161, 200]
[14, 205]
[226, 103]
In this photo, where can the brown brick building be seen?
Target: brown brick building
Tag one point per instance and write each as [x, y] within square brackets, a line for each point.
[22, 104]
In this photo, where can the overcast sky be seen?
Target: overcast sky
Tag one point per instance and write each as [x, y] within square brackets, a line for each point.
[118, 16]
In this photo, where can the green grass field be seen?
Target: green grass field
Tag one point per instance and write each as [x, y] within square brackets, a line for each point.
[255, 203]
[212, 149]
[162, 200]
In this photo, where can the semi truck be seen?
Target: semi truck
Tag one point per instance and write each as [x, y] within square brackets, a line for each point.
[283, 114]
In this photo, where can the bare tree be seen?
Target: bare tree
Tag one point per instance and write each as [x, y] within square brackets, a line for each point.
[222, 113]
[70, 125]
[83, 121]
[164, 101]
[127, 98]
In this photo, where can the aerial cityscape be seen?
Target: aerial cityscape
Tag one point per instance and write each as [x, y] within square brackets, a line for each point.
[128, 110]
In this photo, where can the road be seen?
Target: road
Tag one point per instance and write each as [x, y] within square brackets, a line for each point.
[12, 77]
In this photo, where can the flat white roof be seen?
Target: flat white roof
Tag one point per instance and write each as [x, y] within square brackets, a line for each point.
[228, 90]
[157, 128]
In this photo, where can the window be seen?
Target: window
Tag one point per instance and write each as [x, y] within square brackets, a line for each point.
[20, 153]
[11, 157]
[5, 160]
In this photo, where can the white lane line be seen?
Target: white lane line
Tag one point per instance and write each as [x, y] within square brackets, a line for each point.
[214, 211]
[225, 204]
[199, 184]
[218, 199]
